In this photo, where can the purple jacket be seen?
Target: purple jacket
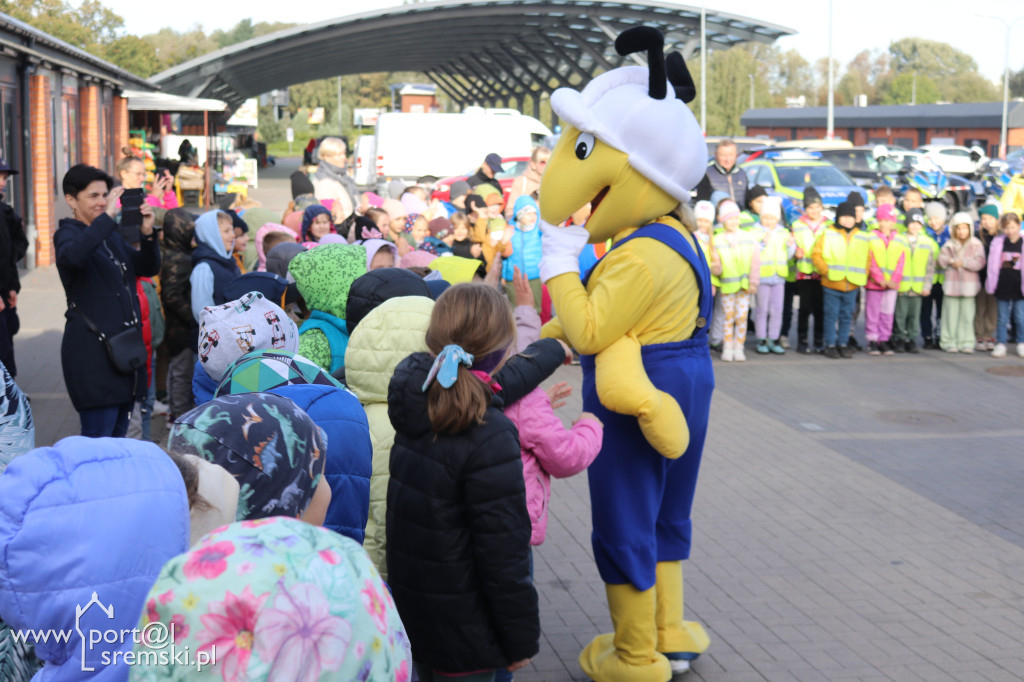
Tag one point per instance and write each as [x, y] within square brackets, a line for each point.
[995, 261]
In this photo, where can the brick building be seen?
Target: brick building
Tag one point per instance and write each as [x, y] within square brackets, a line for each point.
[59, 106]
[910, 126]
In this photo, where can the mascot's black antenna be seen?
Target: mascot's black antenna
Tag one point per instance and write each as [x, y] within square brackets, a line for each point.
[649, 39]
[680, 78]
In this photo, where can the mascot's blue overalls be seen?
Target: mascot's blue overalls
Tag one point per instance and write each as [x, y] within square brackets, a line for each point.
[640, 320]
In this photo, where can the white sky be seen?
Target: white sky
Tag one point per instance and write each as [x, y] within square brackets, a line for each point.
[860, 24]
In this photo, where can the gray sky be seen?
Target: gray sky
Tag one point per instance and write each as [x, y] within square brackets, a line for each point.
[859, 24]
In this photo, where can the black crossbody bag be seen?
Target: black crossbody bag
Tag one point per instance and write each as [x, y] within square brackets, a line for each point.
[126, 349]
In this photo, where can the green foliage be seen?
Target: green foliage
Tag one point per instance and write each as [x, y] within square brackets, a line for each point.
[133, 54]
[901, 90]
[1017, 83]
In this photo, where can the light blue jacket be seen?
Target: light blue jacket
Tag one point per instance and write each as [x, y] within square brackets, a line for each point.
[86, 524]
[526, 246]
[201, 279]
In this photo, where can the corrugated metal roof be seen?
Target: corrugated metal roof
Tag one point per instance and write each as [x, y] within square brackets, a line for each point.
[964, 115]
[474, 50]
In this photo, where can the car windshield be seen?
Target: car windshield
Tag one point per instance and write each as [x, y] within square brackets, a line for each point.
[802, 176]
[511, 169]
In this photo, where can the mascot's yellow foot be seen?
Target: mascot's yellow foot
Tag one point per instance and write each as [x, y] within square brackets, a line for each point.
[629, 654]
[664, 425]
[676, 635]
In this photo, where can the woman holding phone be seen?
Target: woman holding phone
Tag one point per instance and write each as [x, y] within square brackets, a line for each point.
[102, 353]
[131, 171]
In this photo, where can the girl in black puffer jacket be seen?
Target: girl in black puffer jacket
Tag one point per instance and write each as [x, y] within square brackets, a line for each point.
[457, 525]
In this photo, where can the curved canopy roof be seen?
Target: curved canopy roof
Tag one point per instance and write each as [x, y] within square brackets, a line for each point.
[476, 51]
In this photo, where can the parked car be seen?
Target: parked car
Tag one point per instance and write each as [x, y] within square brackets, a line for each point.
[955, 159]
[409, 146]
[861, 164]
[786, 173]
[511, 168]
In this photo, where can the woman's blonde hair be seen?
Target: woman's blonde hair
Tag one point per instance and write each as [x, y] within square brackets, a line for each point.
[126, 163]
[479, 319]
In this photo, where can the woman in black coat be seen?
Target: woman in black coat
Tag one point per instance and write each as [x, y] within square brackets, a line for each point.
[98, 269]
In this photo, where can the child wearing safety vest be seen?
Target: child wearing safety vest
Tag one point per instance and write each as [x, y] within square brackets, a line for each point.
[918, 276]
[704, 212]
[774, 246]
[886, 261]
[963, 257]
[806, 230]
[755, 197]
[841, 257]
[739, 279]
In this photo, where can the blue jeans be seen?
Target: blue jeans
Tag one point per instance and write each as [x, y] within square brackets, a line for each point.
[1003, 319]
[105, 422]
[838, 311]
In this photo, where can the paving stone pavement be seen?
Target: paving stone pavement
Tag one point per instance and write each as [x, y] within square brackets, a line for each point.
[855, 520]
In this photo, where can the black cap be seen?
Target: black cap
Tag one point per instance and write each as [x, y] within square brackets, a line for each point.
[493, 162]
[4, 168]
[475, 202]
[755, 192]
[236, 221]
[811, 196]
[915, 215]
[845, 208]
[301, 184]
[855, 198]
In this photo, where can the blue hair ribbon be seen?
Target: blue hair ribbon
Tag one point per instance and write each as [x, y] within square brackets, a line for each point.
[446, 366]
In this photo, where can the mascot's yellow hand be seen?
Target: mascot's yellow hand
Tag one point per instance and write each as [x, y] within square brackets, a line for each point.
[624, 387]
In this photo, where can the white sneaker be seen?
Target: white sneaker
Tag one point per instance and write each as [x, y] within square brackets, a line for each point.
[1020, 350]
[160, 407]
[679, 667]
[980, 345]
[784, 341]
[999, 351]
[726, 351]
[738, 355]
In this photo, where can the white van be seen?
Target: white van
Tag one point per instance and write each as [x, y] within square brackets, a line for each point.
[408, 146]
[363, 160]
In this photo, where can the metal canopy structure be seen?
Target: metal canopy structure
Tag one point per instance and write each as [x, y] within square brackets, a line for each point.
[478, 52]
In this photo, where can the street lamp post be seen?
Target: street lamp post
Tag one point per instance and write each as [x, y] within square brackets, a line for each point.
[1006, 79]
[830, 124]
[703, 68]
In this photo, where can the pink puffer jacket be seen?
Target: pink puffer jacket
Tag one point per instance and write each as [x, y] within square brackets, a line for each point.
[549, 449]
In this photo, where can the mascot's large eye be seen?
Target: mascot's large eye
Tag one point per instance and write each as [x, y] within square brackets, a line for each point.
[584, 145]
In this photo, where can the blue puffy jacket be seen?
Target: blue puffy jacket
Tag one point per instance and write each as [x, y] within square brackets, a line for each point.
[87, 524]
[349, 453]
[203, 385]
[526, 246]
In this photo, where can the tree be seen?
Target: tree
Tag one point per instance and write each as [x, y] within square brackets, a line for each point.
[133, 54]
[954, 73]
[902, 89]
[864, 75]
[1017, 83]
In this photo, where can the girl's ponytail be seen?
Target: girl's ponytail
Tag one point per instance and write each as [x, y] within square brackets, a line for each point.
[469, 321]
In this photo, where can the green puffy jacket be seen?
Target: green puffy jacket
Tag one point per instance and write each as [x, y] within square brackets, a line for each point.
[387, 335]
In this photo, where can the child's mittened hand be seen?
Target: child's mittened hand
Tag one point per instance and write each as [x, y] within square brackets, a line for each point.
[590, 416]
[524, 293]
[558, 393]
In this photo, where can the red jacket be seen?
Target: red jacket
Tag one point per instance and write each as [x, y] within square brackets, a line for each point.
[147, 329]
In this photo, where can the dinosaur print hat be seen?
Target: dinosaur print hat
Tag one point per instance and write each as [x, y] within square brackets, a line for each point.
[271, 447]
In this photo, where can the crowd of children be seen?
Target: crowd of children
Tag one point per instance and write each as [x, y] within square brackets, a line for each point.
[393, 407]
[916, 273]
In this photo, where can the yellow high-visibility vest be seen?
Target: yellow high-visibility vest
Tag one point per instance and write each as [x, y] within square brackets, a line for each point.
[735, 261]
[847, 261]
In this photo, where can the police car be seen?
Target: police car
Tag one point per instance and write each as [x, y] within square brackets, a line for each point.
[785, 173]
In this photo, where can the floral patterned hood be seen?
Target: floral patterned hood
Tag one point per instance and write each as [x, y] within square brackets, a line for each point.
[277, 599]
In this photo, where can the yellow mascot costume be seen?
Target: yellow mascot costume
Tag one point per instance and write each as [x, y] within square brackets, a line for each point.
[632, 149]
